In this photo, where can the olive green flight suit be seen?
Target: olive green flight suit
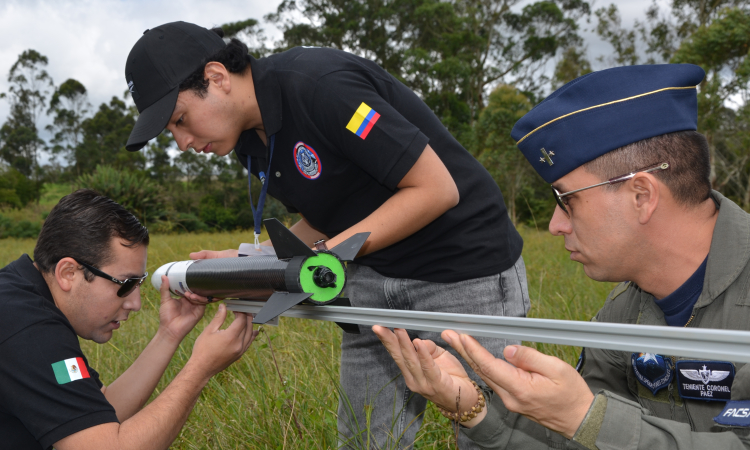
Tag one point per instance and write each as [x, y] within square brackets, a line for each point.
[625, 414]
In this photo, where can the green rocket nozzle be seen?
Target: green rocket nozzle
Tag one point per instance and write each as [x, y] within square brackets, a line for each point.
[324, 275]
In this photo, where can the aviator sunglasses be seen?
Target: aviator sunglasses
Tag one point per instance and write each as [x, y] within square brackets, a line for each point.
[563, 202]
[126, 286]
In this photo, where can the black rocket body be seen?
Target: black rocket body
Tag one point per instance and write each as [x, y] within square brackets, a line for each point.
[251, 278]
[296, 274]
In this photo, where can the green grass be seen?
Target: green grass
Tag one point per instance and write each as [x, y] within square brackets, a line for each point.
[247, 406]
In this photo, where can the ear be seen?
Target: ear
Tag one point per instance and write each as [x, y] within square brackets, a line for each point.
[67, 274]
[647, 194]
[218, 75]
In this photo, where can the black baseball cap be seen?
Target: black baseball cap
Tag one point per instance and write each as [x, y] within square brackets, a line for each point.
[162, 59]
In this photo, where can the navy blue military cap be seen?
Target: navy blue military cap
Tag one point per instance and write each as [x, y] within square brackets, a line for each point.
[602, 111]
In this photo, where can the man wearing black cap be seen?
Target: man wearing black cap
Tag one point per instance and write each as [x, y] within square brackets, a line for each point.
[339, 140]
[631, 179]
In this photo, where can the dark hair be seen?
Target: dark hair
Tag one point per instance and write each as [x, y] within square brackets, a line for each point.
[81, 226]
[688, 176]
[233, 56]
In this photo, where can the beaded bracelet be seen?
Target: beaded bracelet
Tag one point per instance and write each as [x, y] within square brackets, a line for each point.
[469, 414]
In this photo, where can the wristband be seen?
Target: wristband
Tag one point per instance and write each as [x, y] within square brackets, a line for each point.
[469, 414]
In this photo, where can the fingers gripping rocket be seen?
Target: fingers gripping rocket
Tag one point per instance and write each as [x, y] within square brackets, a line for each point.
[294, 275]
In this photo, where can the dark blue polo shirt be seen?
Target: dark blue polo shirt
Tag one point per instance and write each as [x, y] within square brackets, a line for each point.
[35, 409]
[346, 133]
[678, 306]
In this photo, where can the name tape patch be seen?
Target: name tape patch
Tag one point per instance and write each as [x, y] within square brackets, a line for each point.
[705, 380]
[735, 414]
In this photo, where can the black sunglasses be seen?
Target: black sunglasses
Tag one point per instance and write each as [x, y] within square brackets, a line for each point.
[562, 202]
[126, 287]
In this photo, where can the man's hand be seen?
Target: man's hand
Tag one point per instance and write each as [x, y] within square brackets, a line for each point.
[543, 388]
[177, 316]
[216, 349]
[158, 424]
[211, 254]
[431, 371]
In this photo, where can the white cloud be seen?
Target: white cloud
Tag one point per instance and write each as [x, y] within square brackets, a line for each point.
[89, 40]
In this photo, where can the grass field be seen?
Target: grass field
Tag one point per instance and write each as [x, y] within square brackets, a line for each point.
[247, 406]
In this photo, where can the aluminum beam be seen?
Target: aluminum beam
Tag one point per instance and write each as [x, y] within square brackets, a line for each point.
[729, 345]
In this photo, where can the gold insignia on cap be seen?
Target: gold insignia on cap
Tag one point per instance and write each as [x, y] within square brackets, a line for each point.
[603, 104]
[546, 157]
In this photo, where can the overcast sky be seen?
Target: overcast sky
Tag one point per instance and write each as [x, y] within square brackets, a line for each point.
[89, 40]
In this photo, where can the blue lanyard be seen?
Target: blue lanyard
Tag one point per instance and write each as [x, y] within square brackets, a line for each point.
[258, 212]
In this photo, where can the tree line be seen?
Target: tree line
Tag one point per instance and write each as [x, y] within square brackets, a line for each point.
[478, 64]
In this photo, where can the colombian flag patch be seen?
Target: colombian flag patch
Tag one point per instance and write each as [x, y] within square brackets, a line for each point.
[362, 121]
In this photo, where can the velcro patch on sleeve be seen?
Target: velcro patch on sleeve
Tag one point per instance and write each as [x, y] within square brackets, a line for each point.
[735, 414]
[70, 369]
[363, 120]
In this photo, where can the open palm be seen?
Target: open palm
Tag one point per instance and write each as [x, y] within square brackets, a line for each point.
[429, 370]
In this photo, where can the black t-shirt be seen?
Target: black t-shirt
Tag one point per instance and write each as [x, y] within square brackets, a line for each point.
[36, 410]
[346, 133]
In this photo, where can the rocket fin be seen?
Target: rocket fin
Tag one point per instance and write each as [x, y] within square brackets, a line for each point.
[286, 244]
[278, 303]
[347, 250]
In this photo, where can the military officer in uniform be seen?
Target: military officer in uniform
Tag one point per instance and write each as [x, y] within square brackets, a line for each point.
[631, 178]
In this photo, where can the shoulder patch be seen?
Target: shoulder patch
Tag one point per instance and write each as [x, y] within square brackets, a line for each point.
[363, 120]
[70, 369]
[735, 414]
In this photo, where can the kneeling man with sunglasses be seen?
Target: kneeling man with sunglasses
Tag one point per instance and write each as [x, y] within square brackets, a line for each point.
[90, 260]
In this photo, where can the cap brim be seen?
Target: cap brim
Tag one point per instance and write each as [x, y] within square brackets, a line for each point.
[152, 121]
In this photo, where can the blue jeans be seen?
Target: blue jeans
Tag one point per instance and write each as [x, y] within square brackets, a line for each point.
[370, 379]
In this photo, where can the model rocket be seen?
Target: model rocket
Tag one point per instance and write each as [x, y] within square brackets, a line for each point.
[296, 274]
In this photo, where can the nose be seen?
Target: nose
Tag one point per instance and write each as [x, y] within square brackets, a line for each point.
[133, 300]
[183, 139]
[560, 222]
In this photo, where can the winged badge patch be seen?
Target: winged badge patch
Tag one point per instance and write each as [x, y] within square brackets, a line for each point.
[705, 380]
[705, 375]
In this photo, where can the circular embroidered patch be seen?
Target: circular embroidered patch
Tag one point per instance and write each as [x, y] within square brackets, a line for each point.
[307, 161]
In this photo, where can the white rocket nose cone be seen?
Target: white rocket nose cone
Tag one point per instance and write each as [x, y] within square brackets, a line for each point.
[156, 277]
[176, 271]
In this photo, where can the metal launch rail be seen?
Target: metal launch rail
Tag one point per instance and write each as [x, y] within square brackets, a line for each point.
[729, 345]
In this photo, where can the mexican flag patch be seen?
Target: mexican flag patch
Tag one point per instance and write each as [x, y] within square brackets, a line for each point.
[70, 370]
